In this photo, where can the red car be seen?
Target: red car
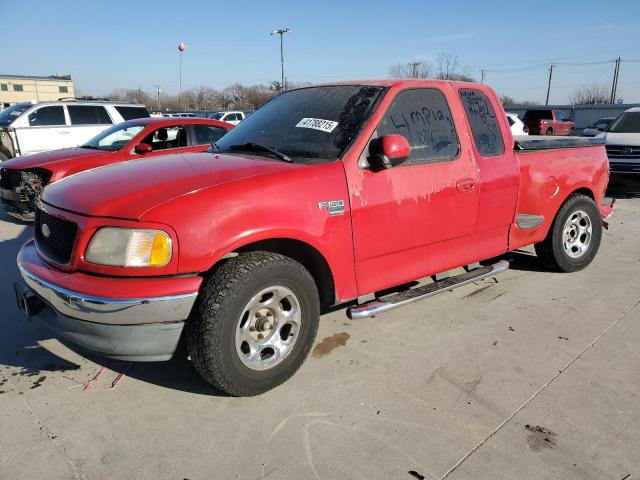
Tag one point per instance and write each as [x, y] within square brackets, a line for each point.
[548, 122]
[22, 179]
[326, 195]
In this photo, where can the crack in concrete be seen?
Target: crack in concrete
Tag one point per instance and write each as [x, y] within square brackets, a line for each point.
[77, 475]
[537, 392]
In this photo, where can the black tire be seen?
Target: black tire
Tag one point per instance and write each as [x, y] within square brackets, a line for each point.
[551, 250]
[572, 132]
[211, 329]
[549, 132]
[4, 155]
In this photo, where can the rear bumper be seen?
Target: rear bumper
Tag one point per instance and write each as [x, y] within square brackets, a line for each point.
[135, 329]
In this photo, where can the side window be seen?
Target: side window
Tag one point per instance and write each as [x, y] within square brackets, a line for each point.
[484, 124]
[232, 117]
[205, 134]
[63, 90]
[423, 117]
[17, 87]
[88, 115]
[47, 116]
[129, 113]
[560, 116]
[167, 137]
[3, 87]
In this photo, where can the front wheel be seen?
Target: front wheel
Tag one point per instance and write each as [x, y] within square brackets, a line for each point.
[574, 237]
[254, 323]
[549, 132]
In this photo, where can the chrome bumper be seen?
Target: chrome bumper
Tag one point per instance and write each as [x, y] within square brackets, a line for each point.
[112, 311]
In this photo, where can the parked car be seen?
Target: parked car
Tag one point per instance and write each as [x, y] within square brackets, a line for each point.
[623, 149]
[598, 127]
[548, 122]
[517, 127]
[329, 194]
[22, 179]
[233, 117]
[42, 126]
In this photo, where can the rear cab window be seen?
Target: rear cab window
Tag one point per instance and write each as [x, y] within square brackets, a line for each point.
[485, 128]
[130, 113]
[423, 117]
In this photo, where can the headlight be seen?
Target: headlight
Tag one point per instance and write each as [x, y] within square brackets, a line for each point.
[129, 247]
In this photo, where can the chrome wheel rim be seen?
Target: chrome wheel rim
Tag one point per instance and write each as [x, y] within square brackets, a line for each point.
[577, 234]
[268, 328]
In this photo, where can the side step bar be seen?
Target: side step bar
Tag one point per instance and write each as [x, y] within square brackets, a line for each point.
[377, 307]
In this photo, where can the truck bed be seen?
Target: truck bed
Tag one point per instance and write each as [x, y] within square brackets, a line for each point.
[546, 142]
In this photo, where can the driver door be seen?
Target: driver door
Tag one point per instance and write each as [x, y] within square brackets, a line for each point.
[417, 218]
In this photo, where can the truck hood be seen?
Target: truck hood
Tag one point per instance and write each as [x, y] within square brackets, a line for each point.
[630, 139]
[129, 189]
[53, 159]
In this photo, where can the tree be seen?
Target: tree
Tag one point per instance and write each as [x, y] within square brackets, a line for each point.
[412, 69]
[448, 68]
[512, 102]
[590, 95]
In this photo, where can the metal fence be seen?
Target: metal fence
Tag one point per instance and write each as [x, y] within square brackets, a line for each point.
[582, 115]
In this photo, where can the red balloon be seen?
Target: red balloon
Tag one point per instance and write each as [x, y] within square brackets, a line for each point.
[181, 47]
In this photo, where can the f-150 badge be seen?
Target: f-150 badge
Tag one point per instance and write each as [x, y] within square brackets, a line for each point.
[334, 207]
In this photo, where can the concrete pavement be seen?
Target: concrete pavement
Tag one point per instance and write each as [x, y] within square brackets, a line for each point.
[532, 375]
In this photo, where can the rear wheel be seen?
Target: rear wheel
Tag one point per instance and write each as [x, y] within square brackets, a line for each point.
[254, 323]
[574, 237]
[572, 132]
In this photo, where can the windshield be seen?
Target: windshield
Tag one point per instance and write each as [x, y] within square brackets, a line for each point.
[216, 116]
[115, 137]
[310, 125]
[8, 115]
[538, 115]
[628, 122]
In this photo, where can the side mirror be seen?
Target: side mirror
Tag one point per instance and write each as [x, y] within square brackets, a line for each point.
[388, 151]
[143, 148]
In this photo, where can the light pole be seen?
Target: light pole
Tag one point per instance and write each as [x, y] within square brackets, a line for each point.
[281, 32]
[181, 48]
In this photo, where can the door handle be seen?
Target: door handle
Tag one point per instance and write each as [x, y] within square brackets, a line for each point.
[63, 132]
[466, 185]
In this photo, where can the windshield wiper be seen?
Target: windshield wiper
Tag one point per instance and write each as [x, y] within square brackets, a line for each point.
[91, 147]
[257, 147]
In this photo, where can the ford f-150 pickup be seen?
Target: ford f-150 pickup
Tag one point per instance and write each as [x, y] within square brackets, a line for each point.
[327, 195]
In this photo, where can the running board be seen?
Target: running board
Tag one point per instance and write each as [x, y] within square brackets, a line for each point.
[400, 299]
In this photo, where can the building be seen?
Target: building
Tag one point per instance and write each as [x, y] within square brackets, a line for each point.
[25, 88]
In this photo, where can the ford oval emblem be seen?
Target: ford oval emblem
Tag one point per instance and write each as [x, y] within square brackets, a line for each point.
[627, 151]
[46, 232]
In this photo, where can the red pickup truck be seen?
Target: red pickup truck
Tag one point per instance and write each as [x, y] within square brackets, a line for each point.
[548, 122]
[326, 195]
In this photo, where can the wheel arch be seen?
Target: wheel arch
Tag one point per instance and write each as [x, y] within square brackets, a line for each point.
[305, 254]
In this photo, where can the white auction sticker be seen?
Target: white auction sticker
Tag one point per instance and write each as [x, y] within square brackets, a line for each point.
[318, 124]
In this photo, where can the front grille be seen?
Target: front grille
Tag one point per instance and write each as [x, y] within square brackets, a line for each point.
[58, 245]
[623, 151]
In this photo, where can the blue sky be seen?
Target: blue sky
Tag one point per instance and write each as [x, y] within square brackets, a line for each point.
[131, 44]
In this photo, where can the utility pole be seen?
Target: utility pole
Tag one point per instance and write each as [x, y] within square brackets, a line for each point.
[549, 84]
[482, 73]
[281, 32]
[614, 84]
[158, 96]
[414, 69]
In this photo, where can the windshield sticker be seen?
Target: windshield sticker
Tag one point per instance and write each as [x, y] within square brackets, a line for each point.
[317, 124]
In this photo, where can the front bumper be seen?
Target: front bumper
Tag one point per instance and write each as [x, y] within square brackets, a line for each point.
[134, 329]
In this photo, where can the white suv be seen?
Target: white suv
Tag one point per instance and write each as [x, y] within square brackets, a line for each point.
[37, 127]
[232, 117]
